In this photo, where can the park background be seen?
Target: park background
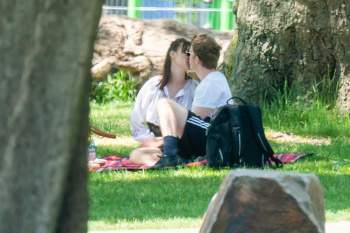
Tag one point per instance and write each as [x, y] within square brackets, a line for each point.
[295, 123]
[45, 112]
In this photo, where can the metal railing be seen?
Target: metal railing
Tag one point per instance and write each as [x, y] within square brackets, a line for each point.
[216, 14]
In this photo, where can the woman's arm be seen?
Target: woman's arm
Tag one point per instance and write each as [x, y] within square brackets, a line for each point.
[139, 131]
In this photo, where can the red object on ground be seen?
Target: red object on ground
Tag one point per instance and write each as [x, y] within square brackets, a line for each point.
[116, 163]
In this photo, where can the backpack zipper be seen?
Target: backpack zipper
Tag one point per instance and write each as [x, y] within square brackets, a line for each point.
[262, 142]
[239, 145]
[221, 157]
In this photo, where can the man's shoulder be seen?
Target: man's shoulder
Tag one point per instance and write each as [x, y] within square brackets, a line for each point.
[216, 78]
[216, 75]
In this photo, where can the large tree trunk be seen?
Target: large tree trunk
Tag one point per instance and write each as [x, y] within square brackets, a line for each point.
[45, 59]
[278, 41]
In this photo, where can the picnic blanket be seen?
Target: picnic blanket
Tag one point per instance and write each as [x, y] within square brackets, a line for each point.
[117, 163]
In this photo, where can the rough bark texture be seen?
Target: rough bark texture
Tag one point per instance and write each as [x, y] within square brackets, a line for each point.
[140, 46]
[277, 41]
[266, 201]
[46, 50]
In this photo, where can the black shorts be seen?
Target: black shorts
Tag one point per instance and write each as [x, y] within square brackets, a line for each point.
[194, 139]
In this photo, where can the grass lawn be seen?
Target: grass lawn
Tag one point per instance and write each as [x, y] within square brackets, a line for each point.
[178, 198]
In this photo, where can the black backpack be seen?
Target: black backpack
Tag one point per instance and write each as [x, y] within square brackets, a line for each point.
[236, 138]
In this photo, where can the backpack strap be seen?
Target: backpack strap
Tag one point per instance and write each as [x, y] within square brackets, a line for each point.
[214, 160]
[235, 97]
[258, 130]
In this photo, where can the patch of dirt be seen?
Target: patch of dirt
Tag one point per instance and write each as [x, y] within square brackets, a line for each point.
[124, 141]
[290, 137]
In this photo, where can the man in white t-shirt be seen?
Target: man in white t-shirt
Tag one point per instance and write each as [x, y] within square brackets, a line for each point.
[184, 132]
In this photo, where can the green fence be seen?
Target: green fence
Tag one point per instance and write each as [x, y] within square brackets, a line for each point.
[215, 14]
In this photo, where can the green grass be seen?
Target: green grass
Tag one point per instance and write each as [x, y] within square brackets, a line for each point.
[151, 199]
[112, 118]
[307, 119]
[178, 198]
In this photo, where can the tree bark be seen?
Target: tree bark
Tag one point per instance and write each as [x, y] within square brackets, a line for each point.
[285, 41]
[46, 49]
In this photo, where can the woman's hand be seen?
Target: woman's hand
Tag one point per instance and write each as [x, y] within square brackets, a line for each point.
[153, 143]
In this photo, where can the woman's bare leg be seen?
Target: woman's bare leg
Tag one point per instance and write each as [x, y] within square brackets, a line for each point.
[145, 156]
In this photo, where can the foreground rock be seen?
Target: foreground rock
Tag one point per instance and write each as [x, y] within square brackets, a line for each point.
[139, 46]
[266, 201]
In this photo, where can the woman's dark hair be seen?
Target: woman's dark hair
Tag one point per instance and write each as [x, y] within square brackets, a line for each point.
[167, 63]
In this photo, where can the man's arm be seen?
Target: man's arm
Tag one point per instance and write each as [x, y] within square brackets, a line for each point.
[202, 112]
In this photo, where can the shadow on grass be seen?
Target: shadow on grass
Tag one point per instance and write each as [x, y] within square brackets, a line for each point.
[169, 197]
[186, 193]
[336, 191]
[331, 164]
[159, 195]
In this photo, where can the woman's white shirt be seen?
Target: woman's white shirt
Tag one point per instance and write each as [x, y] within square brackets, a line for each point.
[145, 105]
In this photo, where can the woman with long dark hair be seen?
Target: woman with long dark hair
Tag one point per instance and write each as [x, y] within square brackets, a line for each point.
[174, 84]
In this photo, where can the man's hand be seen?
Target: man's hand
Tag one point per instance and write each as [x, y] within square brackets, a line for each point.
[153, 143]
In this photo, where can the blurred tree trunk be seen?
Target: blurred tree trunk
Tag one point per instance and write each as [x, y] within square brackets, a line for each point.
[45, 60]
[285, 41]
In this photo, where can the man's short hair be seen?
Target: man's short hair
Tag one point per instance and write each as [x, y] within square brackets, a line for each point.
[207, 50]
